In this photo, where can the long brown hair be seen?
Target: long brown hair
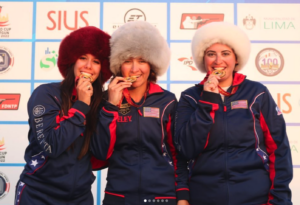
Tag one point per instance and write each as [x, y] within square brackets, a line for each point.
[66, 88]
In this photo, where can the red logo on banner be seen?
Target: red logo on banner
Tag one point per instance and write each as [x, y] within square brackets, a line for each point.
[9, 101]
[3, 19]
[188, 62]
[62, 18]
[195, 21]
[2, 144]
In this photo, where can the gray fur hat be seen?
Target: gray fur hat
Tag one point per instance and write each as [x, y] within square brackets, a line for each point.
[224, 33]
[139, 39]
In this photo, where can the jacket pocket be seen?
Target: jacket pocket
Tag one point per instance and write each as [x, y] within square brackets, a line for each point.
[113, 199]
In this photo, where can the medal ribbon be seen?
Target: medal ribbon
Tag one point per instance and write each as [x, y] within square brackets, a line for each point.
[126, 94]
[225, 93]
[128, 98]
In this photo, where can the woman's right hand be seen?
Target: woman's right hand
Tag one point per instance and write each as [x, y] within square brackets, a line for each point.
[211, 85]
[115, 89]
[183, 202]
[84, 90]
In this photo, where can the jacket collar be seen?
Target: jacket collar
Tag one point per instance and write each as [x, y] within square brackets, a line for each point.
[154, 88]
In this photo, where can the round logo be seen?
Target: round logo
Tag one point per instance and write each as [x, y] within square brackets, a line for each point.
[134, 15]
[38, 110]
[4, 185]
[249, 22]
[6, 59]
[269, 62]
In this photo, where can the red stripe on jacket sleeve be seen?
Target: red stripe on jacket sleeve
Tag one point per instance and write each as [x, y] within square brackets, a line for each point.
[112, 129]
[71, 113]
[212, 115]
[214, 108]
[172, 147]
[271, 148]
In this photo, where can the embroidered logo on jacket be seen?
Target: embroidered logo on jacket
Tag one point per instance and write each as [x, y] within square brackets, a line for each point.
[151, 112]
[124, 119]
[124, 109]
[240, 104]
[38, 110]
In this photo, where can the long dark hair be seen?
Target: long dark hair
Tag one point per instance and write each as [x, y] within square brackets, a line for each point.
[66, 88]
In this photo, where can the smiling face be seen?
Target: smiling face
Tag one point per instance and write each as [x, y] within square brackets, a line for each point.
[87, 65]
[220, 57]
[139, 68]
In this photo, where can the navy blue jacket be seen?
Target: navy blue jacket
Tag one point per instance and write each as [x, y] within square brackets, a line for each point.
[51, 167]
[138, 144]
[238, 150]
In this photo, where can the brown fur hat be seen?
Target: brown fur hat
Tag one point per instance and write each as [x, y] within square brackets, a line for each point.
[86, 40]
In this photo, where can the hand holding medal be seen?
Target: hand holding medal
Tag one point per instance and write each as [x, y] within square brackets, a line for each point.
[84, 87]
[115, 89]
[212, 82]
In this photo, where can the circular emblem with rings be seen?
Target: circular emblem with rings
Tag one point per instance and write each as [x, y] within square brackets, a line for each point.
[6, 59]
[269, 62]
[4, 185]
[38, 110]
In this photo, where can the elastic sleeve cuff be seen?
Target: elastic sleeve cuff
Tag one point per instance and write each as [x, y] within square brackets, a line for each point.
[110, 107]
[81, 106]
[211, 97]
[183, 195]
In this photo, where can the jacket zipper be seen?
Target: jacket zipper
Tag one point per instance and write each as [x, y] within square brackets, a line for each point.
[226, 147]
[140, 156]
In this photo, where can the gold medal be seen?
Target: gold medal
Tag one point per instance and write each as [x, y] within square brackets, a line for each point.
[131, 78]
[220, 73]
[86, 76]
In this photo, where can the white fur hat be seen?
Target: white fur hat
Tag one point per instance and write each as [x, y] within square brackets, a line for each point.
[224, 33]
[139, 39]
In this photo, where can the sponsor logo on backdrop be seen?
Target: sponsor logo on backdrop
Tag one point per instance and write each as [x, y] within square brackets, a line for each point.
[249, 22]
[283, 99]
[279, 23]
[2, 150]
[9, 101]
[294, 146]
[193, 21]
[188, 62]
[66, 19]
[4, 23]
[269, 62]
[49, 60]
[6, 59]
[4, 185]
[134, 14]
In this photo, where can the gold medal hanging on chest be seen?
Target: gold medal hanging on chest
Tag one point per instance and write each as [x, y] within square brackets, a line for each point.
[124, 109]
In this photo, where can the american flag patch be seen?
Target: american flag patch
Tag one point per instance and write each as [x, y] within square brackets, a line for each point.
[151, 112]
[240, 104]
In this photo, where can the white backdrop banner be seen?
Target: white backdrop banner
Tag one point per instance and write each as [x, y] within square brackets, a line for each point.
[31, 31]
